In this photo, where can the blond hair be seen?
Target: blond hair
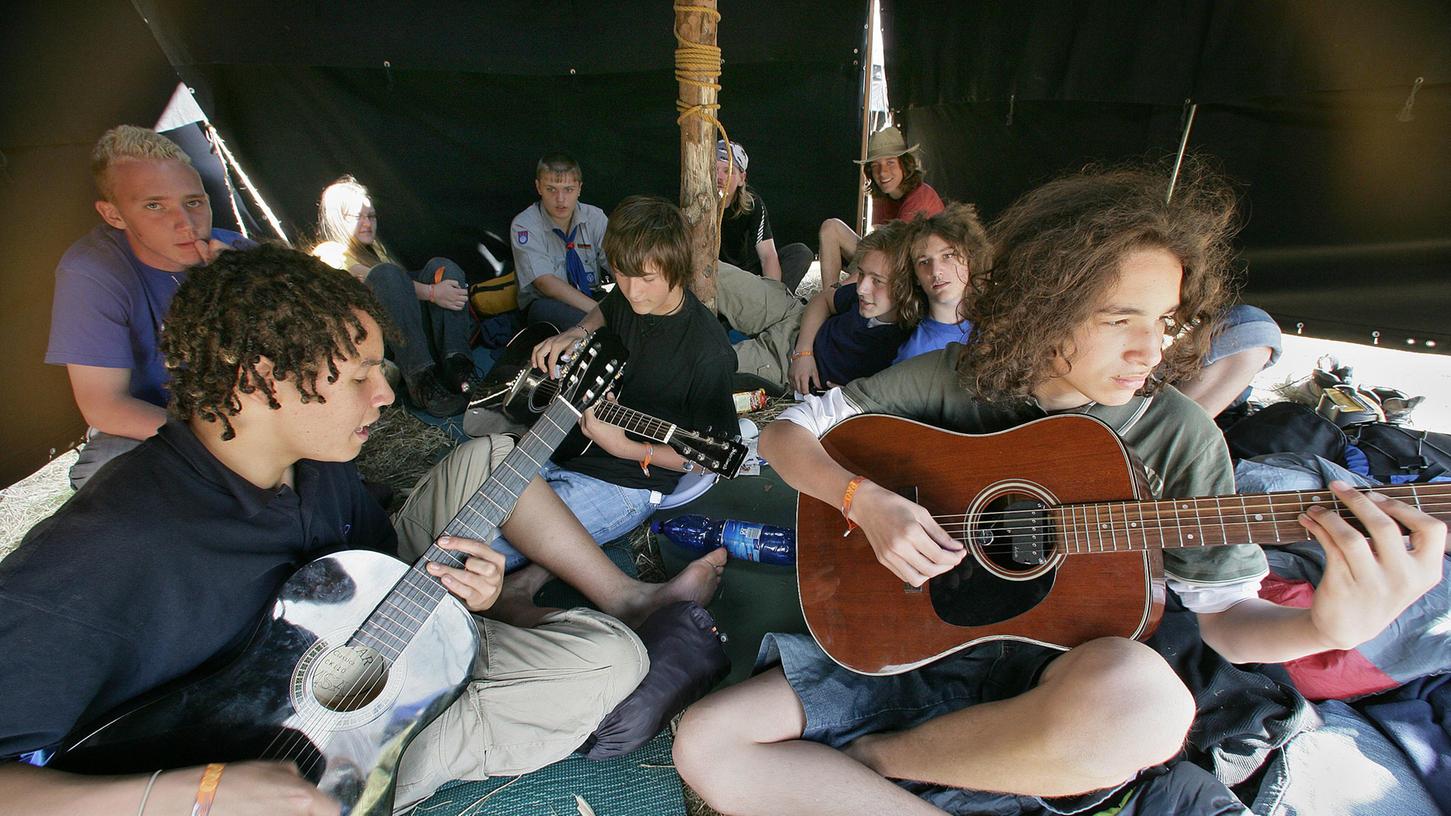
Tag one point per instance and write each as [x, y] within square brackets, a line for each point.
[130, 143]
[345, 194]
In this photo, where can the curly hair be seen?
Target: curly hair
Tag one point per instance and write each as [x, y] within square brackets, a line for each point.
[273, 302]
[958, 224]
[1058, 250]
[912, 172]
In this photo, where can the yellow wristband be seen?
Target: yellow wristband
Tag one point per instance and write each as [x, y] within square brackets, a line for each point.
[649, 454]
[206, 792]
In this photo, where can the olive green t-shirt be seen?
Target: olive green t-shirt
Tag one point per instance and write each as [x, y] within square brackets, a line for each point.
[1181, 449]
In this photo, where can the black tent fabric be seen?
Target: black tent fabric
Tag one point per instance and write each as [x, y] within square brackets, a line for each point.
[443, 110]
[1347, 194]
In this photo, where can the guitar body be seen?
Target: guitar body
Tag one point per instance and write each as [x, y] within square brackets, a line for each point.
[341, 713]
[872, 622]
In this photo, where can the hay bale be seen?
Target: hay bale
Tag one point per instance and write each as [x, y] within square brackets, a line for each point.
[400, 449]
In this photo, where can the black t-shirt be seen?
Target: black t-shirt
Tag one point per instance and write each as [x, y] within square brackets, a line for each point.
[162, 561]
[740, 233]
[679, 370]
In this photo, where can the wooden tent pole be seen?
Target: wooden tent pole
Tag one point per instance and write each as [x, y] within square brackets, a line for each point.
[697, 68]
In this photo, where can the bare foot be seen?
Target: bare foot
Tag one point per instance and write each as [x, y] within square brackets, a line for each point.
[697, 582]
[516, 600]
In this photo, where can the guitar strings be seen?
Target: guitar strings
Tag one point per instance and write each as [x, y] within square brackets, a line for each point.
[292, 740]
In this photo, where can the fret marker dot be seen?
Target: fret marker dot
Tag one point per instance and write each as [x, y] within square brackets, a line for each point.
[1259, 516]
[1191, 536]
[1314, 498]
[1183, 507]
[1133, 524]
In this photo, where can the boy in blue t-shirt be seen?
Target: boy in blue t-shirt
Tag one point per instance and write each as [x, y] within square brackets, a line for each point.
[114, 286]
[946, 249]
[848, 330]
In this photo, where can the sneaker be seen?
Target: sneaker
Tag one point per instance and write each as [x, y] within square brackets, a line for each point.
[433, 397]
[457, 373]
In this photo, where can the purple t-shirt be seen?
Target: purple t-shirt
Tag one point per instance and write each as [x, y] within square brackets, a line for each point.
[109, 307]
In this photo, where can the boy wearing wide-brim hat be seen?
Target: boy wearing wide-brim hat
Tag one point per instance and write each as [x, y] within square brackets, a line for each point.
[894, 179]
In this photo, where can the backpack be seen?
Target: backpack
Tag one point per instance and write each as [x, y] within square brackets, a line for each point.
[1392, 452]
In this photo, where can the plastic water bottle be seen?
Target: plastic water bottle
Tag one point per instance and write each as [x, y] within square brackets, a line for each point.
[746, 540]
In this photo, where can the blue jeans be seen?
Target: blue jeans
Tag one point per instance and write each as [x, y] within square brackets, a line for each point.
[429, 332]
[606, 510]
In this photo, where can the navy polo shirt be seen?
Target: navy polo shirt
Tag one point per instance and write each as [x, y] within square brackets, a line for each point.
[162, 561]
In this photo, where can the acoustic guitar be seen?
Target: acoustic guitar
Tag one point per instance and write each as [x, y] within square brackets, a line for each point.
[521, 392]
[358, 654]
[1062, 546]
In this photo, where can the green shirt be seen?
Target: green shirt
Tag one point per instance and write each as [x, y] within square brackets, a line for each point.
[1182, 451]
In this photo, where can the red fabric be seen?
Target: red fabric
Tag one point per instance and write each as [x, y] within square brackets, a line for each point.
[922, 200]
[1331, 675]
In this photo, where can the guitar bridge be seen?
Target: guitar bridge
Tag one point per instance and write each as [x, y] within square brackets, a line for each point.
[1025, 525]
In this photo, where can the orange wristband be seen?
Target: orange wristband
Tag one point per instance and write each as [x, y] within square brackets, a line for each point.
[846, 498]
[649, 454]
[206, 793]
[796, 355]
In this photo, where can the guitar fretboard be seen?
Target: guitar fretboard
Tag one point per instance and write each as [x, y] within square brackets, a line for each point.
[392, 625]
[618, 415]
[1266, 518]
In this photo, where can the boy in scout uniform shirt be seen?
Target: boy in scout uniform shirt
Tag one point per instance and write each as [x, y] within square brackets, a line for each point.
[558, 255]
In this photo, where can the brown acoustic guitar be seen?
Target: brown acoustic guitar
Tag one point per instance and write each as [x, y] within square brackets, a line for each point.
[1062, 545]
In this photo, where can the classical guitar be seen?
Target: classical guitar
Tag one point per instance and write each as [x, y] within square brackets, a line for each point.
[522, 391]
[1062, 546]
[356, 656]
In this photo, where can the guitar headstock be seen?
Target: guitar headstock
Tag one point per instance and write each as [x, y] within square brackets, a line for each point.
[593, 370]
[722, 456]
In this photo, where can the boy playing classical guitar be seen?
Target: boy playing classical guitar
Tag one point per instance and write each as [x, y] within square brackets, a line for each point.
[171, 555]
[810, 737]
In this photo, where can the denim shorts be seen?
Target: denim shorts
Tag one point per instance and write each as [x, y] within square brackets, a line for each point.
[842, 705]
[606, 510]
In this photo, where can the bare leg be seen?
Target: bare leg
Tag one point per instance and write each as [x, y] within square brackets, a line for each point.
[1100, 714]
[741, 750]
[838, 243]
[545, 531]
[515, 604]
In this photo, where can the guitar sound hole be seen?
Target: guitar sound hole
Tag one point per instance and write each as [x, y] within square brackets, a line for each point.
[1010, 540]
[349, 677]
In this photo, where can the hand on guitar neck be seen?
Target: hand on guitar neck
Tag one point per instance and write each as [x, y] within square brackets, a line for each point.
[1369, 580]
[479, 582]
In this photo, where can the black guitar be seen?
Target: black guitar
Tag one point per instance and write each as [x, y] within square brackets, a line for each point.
[521, 392]
[356, 656]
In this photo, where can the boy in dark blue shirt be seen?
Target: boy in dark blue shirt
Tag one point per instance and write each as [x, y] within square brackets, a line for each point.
[848, 330]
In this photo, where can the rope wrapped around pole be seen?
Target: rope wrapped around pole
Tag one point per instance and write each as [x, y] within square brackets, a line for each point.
[697, 70]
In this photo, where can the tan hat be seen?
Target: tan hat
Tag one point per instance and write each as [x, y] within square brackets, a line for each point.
[886, 142]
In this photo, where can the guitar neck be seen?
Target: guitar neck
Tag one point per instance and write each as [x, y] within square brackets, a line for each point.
[398, 617]
[1266, 518]
[636, 422]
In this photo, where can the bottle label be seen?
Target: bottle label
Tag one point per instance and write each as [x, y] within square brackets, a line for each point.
[742, 539]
